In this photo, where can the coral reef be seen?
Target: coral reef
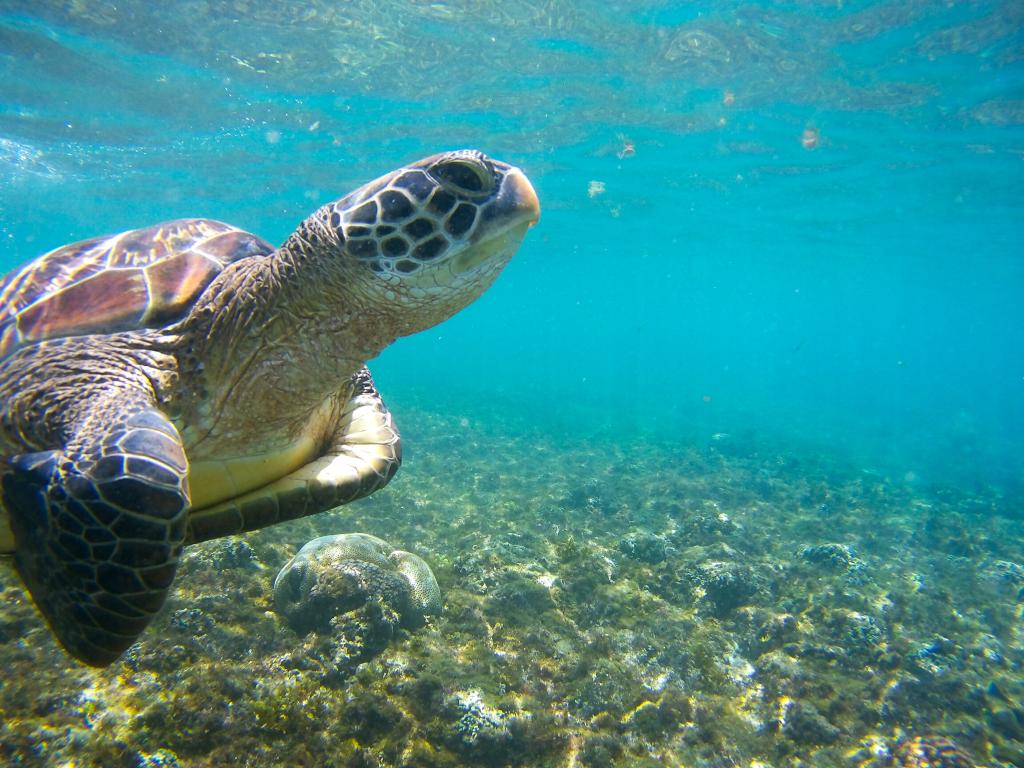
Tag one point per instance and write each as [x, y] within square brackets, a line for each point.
[608, 603]
[354, 592]
[331, 575]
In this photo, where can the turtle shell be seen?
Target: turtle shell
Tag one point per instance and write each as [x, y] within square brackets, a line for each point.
[143, 278]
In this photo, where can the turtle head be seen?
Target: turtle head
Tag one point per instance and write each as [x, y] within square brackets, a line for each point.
[426, 240]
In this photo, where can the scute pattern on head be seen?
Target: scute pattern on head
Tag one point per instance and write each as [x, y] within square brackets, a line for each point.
[142, 278]
[403, 221]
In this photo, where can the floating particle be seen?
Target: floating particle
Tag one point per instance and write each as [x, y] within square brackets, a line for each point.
[272, 136]
[595, 188]
[314, 126]
[728, 98]
[810, 138]
[627, 147]
[696, 45]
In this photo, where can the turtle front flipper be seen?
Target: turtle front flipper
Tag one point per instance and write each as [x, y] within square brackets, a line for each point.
[99, 528]
[363, 456]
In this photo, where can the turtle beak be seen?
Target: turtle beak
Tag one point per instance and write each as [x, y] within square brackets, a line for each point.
[514, 207]
[506, 218]
[521, 196]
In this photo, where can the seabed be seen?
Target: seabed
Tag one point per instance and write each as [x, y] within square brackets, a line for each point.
[634, 602]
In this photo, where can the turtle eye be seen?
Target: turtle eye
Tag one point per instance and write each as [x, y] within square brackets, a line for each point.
[464, 175]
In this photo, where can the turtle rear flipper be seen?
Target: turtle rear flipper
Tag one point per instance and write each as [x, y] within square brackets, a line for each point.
[362, 457]
[99, 530]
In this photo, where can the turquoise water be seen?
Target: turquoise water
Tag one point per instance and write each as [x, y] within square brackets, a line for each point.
[862, 296]
[726, 468]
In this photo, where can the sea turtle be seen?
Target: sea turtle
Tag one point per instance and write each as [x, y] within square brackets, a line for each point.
[186, 381]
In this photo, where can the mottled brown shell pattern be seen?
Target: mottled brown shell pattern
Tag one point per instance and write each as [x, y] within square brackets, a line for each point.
[143, 278]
